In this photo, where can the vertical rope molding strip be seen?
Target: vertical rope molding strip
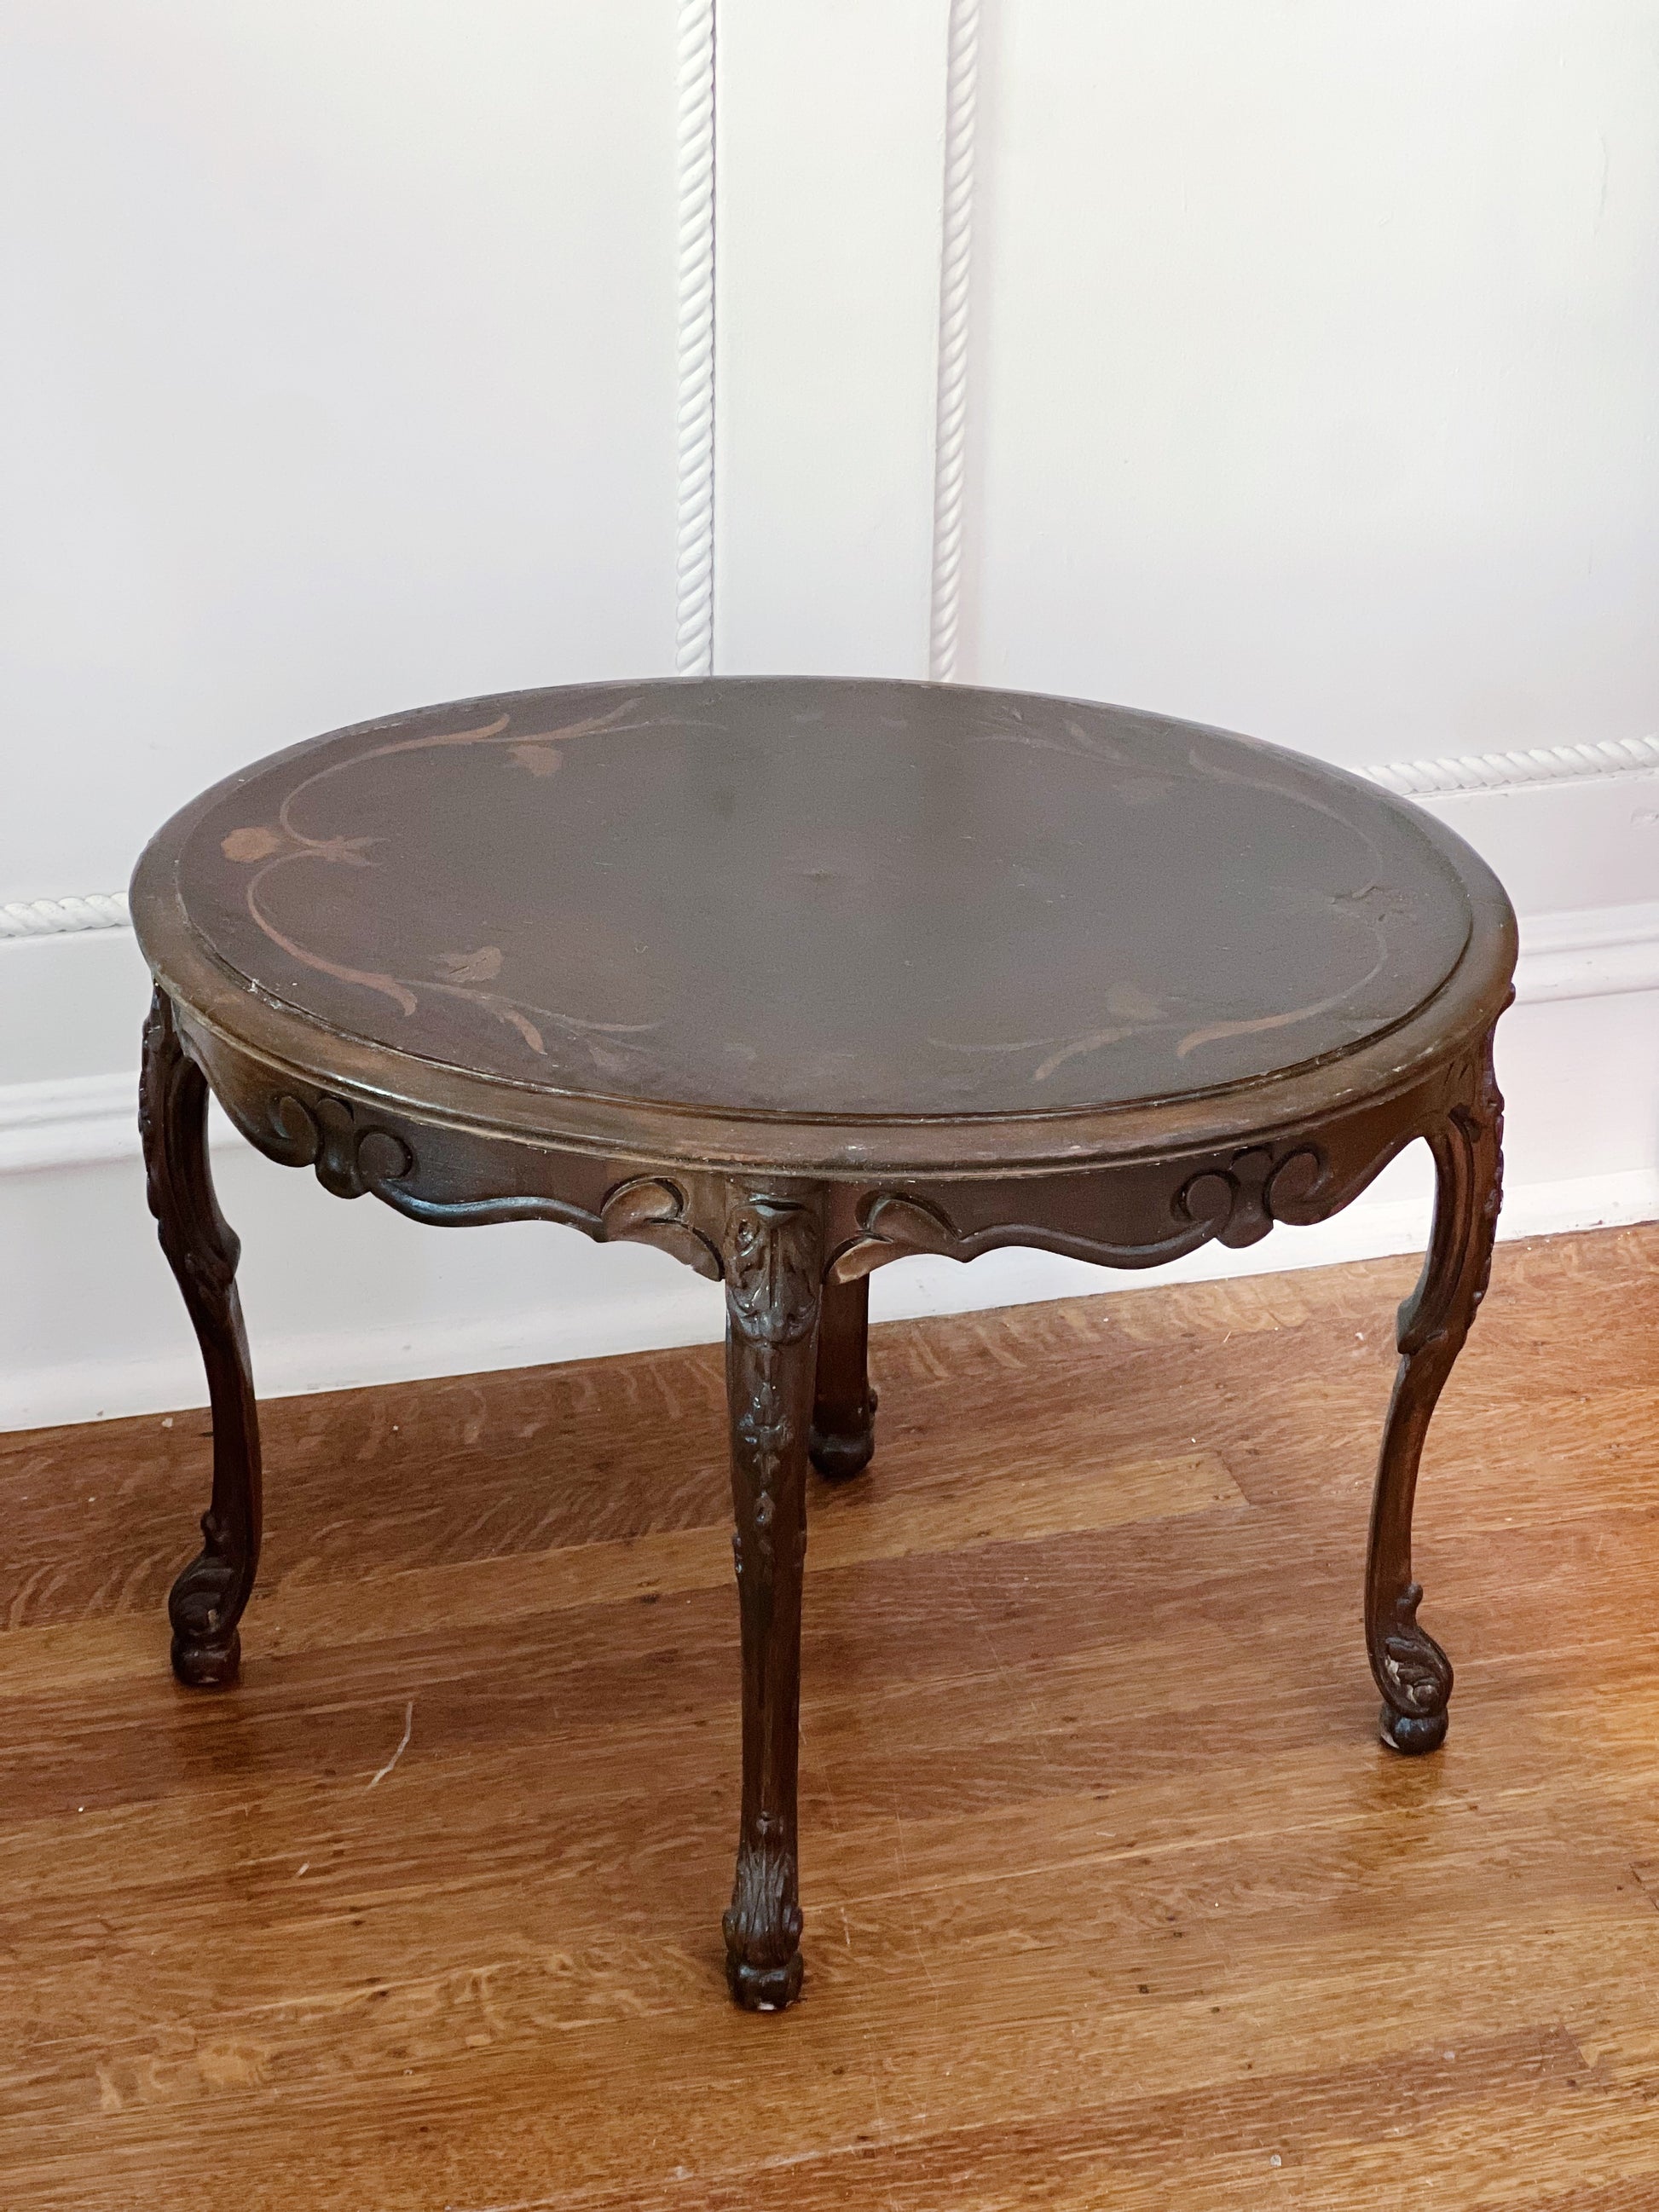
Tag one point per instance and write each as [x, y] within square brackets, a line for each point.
[956, 271]
[694, 552]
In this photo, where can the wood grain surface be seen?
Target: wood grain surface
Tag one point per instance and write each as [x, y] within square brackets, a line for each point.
[811, 895]
[1113, 1899]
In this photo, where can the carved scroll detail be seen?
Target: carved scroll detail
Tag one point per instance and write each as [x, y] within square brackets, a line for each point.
[354, 1156]
[201, 1248]
[1415, 1676]
[1411, 1670]
[773, 1263]
[894, 1223]
[1237, 1203]
[650, 1210]
[351, 1157]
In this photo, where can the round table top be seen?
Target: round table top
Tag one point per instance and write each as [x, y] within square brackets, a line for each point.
[812, 900]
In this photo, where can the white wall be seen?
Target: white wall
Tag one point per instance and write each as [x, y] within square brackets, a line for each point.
[828, 276]
[340, 376]
[1311, 376]
[1319, 353]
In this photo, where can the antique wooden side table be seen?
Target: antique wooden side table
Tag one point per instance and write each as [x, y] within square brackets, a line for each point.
[790, 978]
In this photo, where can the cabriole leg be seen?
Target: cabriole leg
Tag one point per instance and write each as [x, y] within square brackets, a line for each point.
[844, 1406]
[774, 1255]
[202, 1250]
[1412, 1671]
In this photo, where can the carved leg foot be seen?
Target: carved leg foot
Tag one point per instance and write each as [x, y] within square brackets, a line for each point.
[773, 1259]
[202, 1250]
[1412, 1671]
[843, 1438]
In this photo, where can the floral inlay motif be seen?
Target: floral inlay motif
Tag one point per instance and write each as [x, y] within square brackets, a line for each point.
[467, 975]
[1370, 909]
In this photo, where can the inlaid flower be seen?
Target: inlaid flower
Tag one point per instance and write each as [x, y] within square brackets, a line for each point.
[482, 966]
[252, 844]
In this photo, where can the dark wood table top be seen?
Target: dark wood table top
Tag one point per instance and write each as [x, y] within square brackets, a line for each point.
[816, 901]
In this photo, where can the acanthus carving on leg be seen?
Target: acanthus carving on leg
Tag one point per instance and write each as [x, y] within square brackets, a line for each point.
[1412, 1671]
[201, 1248]
[772, 1261]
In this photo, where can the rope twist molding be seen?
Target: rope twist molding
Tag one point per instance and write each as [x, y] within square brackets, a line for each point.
[694, 552]
[1471, 772]
[955, 286]
[61, 916]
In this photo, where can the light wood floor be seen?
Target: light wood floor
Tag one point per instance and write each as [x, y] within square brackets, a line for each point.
[1113, 1899]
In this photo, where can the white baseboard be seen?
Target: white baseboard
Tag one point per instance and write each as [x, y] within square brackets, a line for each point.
[298, 1365]
[679, 1309]
[74, 1121]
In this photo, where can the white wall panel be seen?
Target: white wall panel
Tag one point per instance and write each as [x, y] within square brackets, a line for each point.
[340, 377]
[1317, 358]
[830, 134]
